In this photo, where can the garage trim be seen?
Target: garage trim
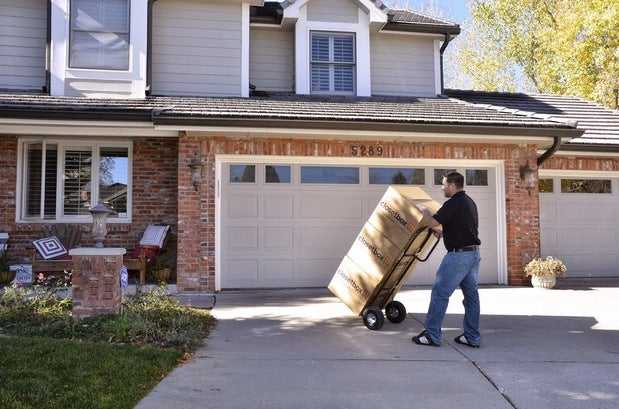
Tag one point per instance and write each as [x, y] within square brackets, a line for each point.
[498, 166]
[578, 173]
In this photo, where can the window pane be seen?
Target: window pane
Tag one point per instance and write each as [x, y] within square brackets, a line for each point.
[77, 182]
[277, 174]
[397, 176]
[100, 50]
[100, 15]
[242, 173]
[343, 49]
[585, 186]
[51, 180]
[477, 177]
[338, 175]
[34, 158]
[320, 77]
[439, 173]
[320, 47]
[546, 186]
[114, 179]
[343, 78]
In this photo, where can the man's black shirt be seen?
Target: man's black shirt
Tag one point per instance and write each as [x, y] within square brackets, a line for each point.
[458, 216]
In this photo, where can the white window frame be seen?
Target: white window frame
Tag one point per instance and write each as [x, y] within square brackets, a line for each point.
[331, 64]
[62, 146]
[71, 40]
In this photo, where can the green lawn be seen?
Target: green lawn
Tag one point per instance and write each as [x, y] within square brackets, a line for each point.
[46, 373]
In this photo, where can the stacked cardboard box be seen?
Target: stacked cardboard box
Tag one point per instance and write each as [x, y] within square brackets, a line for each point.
[370, 268]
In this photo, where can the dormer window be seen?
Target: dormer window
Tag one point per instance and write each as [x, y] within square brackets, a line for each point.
[99, 34]
[333, 63]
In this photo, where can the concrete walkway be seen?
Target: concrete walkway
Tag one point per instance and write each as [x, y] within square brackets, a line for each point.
[304, 349]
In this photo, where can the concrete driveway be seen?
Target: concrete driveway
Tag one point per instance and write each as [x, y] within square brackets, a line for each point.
[304, 349]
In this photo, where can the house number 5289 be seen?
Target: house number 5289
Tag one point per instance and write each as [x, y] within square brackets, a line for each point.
[366, 150]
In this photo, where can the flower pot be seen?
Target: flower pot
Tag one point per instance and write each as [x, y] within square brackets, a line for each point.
[543, 281]
[162, 275]
[7, 277]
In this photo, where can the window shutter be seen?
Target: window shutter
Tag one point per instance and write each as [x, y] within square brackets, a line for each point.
[320, 77]
[51, 181]
[343, 49]
[77, 182]
[343, 78]
[320, 48]
[33, 184]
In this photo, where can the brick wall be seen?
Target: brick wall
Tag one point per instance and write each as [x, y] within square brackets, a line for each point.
[566, 162]
[196, 218]
[154, 196]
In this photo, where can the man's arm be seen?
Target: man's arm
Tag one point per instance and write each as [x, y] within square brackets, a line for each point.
[429, 221]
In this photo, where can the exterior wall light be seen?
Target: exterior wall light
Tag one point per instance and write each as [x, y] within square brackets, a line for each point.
[527, 175]
[100, 214]
[196, 165]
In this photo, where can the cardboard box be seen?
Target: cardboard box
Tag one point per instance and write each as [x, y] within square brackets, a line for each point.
[367, 274]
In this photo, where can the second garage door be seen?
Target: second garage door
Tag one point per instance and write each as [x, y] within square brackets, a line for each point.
[289, 225]
[579, 223]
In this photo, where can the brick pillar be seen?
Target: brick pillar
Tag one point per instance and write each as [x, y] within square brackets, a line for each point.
[96, 281]
[192, 262]
[523, 231]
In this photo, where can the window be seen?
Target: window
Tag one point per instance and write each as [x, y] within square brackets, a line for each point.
[585, 186]
[331, 175]
[397, 176]
[242, 173]
[477, 177]
[99, 34]
[332, 63]
[61, 180]
[439, 174]
[546, 186]
[277, 174]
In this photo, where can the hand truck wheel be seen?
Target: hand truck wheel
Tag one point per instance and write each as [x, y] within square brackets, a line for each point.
[396, 312]
[373, 318]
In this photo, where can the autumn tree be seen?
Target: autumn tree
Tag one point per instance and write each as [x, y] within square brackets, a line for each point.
[550, 46]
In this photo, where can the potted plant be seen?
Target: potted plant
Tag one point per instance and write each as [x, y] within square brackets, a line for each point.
[6, 275]
[544, 272]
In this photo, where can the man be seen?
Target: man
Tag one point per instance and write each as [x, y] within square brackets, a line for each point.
[457, 221]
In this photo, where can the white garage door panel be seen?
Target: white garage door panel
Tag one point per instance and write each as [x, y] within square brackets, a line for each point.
[582, 229]
[295, 235]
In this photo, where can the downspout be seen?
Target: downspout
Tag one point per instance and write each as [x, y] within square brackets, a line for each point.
[149, 47]
[443, 48]
[48, 51]
[551, 151]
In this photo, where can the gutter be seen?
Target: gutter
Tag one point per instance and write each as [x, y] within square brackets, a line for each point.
[443, 48]
[149, 47]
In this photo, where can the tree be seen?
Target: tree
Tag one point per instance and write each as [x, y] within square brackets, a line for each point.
[550, 46]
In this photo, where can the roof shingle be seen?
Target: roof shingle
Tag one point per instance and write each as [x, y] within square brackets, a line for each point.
[600, 124]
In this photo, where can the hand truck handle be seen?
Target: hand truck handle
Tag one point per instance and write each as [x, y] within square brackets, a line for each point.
[423, 260]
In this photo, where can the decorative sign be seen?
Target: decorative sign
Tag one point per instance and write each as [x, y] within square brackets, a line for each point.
[366, 150]
[23, 273]
[124, 277]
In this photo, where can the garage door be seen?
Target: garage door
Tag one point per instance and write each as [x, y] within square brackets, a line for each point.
[23, 38]
[289, 225]
[579, 221]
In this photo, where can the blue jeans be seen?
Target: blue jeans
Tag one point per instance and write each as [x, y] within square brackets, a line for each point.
[456, 269]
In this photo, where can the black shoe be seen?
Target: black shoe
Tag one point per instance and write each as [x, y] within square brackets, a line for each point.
[461, 339]
[424, 339]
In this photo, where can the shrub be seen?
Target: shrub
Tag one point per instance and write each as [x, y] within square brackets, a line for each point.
[545, 267]
[152, 318]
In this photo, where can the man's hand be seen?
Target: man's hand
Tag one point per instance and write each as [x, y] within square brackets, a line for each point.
[437, 231]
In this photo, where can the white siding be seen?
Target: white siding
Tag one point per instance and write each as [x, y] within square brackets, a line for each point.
[23, 32]
[340, 11]
[271, 60]
[196, 48]
[402, 65]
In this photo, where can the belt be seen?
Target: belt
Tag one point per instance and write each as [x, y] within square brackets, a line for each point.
[465, 248]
